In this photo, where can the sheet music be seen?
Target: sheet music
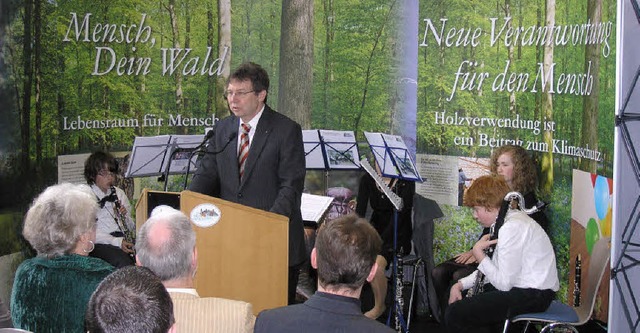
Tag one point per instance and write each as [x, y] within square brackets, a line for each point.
[313, 150]
[341, 149]
[150, 154]
[392, 155]
[313, 206]
[396, 201]
[379, 149]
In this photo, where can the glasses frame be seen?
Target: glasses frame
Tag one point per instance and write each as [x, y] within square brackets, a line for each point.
[240, 94]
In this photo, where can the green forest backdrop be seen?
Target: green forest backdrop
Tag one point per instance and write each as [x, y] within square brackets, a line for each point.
[333, 65]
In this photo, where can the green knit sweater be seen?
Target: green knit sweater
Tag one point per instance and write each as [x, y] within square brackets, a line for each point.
[51, 295]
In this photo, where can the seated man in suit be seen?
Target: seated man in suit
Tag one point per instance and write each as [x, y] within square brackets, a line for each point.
[345, 256]
[130, 300]
[167, 245]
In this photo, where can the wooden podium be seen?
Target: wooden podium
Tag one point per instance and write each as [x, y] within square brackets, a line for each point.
[244, 256]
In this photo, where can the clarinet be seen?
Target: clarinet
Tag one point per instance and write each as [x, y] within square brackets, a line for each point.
[399, 286]
[121, 219]
[577, 281]
[478, 285]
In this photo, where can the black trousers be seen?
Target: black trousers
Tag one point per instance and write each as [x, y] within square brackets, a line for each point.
[487, 311]
[113, 255]
[294, 273]
[444, 276]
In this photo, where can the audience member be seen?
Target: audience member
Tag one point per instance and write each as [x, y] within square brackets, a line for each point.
[130, 300]
[115, 231]
[167, 245]
[345, 257]
[520, 277]
[519, 171]
[51, 291]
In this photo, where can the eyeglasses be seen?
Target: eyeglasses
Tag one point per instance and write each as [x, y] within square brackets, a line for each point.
[106, 173]
[229, 94]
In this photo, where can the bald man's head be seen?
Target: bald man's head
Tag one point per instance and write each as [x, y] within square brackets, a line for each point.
[166, 244]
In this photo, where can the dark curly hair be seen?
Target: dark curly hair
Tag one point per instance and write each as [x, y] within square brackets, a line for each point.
[96, 163]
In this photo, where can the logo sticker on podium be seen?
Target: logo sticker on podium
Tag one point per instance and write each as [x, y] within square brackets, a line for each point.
[205, 215]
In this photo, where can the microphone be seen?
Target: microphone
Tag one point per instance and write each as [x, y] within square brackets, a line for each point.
[229, 139]
[206, 138]
[215, 152]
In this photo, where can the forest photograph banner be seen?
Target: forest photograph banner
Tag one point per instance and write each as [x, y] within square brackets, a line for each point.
[537, 74]
[455, 79]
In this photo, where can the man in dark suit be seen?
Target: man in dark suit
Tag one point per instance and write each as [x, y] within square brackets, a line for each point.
[345, 256]
[256, 158]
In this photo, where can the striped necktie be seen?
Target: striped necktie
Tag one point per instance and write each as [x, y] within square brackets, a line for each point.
[244, 148]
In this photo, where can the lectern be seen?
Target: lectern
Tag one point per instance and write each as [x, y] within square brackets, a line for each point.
[242, 251]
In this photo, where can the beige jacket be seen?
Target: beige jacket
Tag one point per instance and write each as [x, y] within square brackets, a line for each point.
[210, 314]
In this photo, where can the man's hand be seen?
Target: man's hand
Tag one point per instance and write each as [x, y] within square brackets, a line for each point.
[456, 292]
[127, 247]
[465, 258]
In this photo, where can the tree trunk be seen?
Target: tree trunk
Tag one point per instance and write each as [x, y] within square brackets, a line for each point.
[25, 114]
[329, 18]
[37, 22]
[224, 45]
[512, 94]
[211, 81]
[546, 179]
[589, 131]
[296, 61]
[176, 45]
[367, 73]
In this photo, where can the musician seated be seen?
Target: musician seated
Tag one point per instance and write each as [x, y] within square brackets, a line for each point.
[130, 300]
[115, 227]
[345, 256]
[520, 277]
[167, 245]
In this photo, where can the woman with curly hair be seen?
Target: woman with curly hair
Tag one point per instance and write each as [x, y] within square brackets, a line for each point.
[51, 290]
[518, 169]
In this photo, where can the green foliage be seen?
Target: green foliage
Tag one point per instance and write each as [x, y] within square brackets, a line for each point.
[559, 215]
[10, 228]
[454, 233]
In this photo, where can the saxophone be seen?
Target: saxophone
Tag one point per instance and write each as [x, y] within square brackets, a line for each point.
[478, 285]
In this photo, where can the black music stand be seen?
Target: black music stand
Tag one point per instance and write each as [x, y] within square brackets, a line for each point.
[330, 150]
[393, 157]
[163, 155]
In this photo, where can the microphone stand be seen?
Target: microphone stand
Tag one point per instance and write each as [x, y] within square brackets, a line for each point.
[201, 150]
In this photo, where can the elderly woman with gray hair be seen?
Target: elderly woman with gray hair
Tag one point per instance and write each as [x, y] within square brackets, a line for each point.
[51, 290]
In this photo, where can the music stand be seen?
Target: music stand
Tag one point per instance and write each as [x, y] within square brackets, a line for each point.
[163, 155]
[393, 157]
[327, 150]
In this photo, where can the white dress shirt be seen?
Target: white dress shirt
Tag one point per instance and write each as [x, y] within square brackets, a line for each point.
[523, 258]
[254, 124]
[106, 223]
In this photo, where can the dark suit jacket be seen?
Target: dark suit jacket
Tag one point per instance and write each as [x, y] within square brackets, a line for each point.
[321, 313]
[274, 171]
